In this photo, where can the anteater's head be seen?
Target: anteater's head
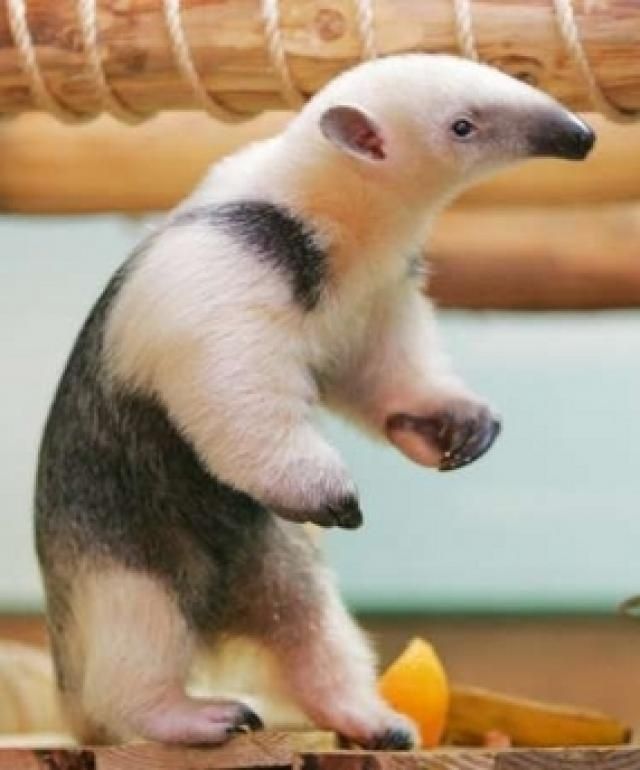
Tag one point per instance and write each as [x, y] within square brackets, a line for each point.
[439, 122]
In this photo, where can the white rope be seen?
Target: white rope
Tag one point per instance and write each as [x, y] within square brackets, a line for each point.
[109, 100]
[366, 28]
[464, 29]
[571, 37]
[293, 97]
[23, 42]
[187, 68]
[87, 16]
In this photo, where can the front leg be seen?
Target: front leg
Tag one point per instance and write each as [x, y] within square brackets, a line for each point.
[403, 388]
[457, 434]
[255, 431]
[228, 364]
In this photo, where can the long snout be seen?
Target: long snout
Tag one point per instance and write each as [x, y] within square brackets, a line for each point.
[561, 134]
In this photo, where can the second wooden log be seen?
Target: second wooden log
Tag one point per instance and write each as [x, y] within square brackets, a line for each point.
[582, 258]
[48, 168]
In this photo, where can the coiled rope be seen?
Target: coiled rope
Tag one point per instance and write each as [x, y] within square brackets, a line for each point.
[110, 101]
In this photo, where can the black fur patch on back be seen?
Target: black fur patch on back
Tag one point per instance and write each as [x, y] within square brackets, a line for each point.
[118, 482]
[275, 234]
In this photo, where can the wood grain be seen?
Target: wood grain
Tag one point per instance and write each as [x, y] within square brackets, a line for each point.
[233, 757]
[265, 750]
[320, 40]
[451, 759]
[434, 760]
[569, 759]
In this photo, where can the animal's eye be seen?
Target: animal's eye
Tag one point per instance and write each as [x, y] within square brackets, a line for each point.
[463, 128]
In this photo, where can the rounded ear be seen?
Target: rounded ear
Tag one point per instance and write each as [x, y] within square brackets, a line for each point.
[350, 129]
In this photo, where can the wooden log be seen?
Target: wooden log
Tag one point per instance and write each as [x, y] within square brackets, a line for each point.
[320, 40]
[475, 712]
[263, 754]
[46, 167]
[525, 759]
[50, 168]
[537, 259]
[268, 750]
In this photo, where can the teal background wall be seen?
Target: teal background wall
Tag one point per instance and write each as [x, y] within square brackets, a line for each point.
[549, 520]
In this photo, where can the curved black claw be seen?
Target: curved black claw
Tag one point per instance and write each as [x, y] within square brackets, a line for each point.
[343, 513]
[462, 431]
[471, 440]
[247, 721]
[346, 513]
[393, 739]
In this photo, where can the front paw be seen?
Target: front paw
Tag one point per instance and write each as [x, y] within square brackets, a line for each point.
[398, 734]
[455, 435]
[400, 738]
[344, 512]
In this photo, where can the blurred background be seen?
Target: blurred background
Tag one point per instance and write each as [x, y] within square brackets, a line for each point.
[515, 566]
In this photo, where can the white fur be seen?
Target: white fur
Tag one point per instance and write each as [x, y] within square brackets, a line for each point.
[213, 332]
[126, 629]
[327, 667]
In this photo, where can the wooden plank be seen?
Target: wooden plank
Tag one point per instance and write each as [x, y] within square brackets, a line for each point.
[264, 749]
[233, 757]
[434, 760]
[49, 168]
[523, 759]
[569, 759]
[227, 41]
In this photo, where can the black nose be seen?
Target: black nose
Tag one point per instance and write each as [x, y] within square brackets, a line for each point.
[568, 137]
[579, 142]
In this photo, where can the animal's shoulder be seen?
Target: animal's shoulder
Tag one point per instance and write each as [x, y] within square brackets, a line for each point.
[275, 235]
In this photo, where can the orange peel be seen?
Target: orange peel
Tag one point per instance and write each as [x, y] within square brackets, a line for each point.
[416, 685]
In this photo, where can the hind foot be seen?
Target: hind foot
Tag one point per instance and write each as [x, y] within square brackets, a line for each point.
[196, 721]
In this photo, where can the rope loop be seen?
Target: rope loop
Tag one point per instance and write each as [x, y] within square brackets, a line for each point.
[45, 100]
[184, 62]
[464, 29]
[109, 100]
[571, 37]
[42, 96]
[365, 17]
[292, 95]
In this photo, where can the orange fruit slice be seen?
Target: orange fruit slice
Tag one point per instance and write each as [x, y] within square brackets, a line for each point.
[415, 684]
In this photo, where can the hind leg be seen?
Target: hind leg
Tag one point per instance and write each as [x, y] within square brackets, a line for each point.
[329, 669]
[131, 650]
[324, 661]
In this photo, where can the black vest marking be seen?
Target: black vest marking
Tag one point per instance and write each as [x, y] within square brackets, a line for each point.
[117, 481]
[276, 235]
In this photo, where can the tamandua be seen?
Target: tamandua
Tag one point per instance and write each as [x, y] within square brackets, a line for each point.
[181, 452]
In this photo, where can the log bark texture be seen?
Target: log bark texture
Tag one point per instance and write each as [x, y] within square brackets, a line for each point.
[320, 40]
[257, 754]
[50, 168]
